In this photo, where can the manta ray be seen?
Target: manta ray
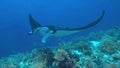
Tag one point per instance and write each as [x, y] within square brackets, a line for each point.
[47, 31]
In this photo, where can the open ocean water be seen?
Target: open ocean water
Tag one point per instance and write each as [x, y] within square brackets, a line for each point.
[14, 28]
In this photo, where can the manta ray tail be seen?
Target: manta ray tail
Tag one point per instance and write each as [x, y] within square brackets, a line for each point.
[92, 23]
[34, 24]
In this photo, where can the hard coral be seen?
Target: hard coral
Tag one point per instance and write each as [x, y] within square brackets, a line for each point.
[62, 60]
[96, 35]
[116, 56]
[111, 66]
[61, 55]
[42, 55]
[90, 64]
[108, 45]
[7, 65]
[39, 65]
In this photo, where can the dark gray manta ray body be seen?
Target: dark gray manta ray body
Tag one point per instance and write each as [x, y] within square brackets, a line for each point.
[47, 31]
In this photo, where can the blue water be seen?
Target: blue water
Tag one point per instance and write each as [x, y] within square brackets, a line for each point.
[14, 22]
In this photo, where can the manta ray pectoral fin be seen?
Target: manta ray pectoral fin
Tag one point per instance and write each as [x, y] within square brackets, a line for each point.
[34, 24]
[91, 24]
[46, 36]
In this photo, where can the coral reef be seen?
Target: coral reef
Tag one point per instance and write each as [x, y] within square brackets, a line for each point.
[98, 50]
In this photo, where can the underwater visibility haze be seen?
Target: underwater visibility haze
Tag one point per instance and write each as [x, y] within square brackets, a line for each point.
[101, 41]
